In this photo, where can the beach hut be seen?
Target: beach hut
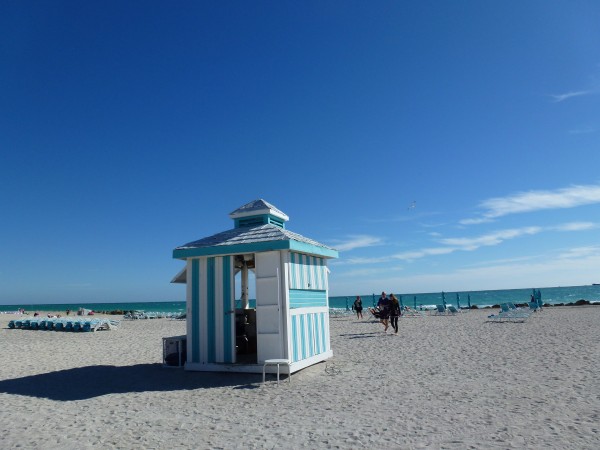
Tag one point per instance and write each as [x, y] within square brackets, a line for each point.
[290, 318]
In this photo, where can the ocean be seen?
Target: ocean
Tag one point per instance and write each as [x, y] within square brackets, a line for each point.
[550, 295]
[482, 299]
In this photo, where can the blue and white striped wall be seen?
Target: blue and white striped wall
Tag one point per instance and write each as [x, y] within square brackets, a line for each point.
[309, 308]
[210, 322]
[309, 334]
[307, 272]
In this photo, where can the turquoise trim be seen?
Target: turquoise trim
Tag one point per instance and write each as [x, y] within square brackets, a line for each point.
[276, 221]
[257, 220]
[292, 270]
[303, 337]
[295, 339]
[311, 335]
[322, 333]
[303, 298]
[313, 249]
[319, 333]
[195, 311]
[210, 308]
[302, 264]
[237, 249]
[227, 318]
[251, 221]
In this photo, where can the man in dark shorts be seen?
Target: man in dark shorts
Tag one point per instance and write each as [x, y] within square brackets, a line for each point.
[384, 305]
[357, 307]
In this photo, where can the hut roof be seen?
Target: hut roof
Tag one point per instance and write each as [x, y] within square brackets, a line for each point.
[256, 207]
[247, 240]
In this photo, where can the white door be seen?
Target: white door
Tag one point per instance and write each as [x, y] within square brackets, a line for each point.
[268, 306]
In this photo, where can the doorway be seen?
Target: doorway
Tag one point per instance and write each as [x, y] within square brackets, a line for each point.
[245, 309]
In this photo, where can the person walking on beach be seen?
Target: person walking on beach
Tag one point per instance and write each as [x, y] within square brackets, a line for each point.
[357, 307]
[384, 310]
[394, 312]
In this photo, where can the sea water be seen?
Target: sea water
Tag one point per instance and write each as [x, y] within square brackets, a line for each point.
[481, 299]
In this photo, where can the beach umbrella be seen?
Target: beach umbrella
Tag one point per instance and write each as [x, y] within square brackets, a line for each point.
[539, 298]
[444, 299]
[469, 300]
[415, 299]
[457, 301]
[401, 305]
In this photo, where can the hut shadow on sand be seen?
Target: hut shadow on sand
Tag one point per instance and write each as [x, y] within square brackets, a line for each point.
[83, 383]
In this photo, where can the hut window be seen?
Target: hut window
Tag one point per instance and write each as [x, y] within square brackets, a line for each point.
[276, 221]
[250, 222]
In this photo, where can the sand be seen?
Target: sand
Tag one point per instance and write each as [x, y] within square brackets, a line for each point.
[444, 382]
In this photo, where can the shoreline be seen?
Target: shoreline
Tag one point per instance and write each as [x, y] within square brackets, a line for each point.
[43, 312]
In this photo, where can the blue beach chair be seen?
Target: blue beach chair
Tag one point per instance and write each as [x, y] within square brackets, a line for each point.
[452, 310]
[507, 317]
[440, 309]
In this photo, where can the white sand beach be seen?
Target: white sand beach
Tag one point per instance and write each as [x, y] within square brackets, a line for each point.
[444, 382]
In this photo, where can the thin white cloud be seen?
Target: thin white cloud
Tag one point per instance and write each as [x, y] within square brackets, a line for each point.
[490, 239]
[581, 252]
[504, 261]
[522, 202]
[495, 238]
[358, 241]
[576, 226]
[557, 98]
[475, 221]
[358, 261]
[417, 254]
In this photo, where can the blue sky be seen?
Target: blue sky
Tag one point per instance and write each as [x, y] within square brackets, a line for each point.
[437, 145]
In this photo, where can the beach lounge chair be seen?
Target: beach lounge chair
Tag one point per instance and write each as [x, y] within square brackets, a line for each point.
[452, 310]
[439, 309]
[534, 306]
[507, 317]
[507, 309]
[508, 314]
[112, 324]
[408, 312]
[376, 313]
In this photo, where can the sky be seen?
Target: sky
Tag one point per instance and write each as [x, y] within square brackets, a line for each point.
[437, 145]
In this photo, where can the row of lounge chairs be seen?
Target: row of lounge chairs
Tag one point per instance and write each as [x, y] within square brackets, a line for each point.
[64, 324]
[443, 310]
